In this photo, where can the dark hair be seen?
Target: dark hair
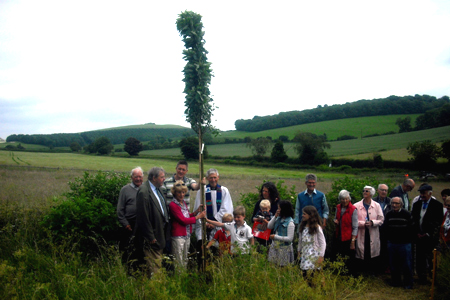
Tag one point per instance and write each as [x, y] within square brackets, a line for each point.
[183, 162]
[286, 209]
[445, 192]
[273, 192]
[313, 221]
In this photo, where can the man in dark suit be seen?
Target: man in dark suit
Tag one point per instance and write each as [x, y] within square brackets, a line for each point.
[427, 214]
[402, 192]
[152, 219]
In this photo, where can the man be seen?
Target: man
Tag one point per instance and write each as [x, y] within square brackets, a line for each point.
[311, 196]
[218, 203]
[402, 191]
[427, 214]
[152, 219]
[398, 224]
[385, 203]
[126, 206]
[191, 184]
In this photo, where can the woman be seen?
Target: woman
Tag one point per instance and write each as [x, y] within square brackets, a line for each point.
[268, 191]
[346, 227]
[370, 218]
[182, 222]
[445, 227]
[281, 251]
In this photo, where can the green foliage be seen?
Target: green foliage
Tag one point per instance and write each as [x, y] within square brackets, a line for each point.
[392, 105]
[443, 276]
[133, 146]
[197, 72]
[404, 124]
[445, 149]
[355, 186]
[84, 220]
[378, 161]
[189, 148]
[346, 137]
[278, 154]
[310, 148]
[101, 145]
[103, 185]
[434, 118]
[259, 147]
[248, 200]
[424, 153]
[75, 147]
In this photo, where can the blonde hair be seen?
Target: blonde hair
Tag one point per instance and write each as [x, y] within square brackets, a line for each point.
[264, 204]
[228, 217]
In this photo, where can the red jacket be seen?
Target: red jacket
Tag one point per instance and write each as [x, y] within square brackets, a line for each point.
[179, 221]
[346, 227]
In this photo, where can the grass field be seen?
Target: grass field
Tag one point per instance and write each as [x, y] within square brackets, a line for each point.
[355, 126]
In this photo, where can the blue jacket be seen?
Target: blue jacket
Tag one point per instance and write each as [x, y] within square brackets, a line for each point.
[317, 199]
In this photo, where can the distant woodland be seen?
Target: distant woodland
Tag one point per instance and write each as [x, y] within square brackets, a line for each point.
[435, 113]
[392, 105]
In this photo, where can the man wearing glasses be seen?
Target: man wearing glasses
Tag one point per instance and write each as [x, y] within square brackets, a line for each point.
[427, 214]
[398, 225]
[402, 191]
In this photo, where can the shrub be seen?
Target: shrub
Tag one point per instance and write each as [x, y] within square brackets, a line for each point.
[103, 185]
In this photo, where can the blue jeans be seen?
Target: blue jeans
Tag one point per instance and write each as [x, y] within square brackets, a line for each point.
[400, 260]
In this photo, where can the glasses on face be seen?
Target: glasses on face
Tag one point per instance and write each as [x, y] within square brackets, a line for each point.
[366, 191]
[180, 184]
[383, 190]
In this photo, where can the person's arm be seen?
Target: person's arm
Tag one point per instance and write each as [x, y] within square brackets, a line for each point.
[354, 229]
[290, 234]
[379, 216]
[215, 223]
[210, 243]
[252, 241]
[325, 210]
[271, 224]
[143, 215]
[298, 209]
[121, 210]
[322, 245]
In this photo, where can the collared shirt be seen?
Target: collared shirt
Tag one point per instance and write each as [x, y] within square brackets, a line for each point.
[158, 195]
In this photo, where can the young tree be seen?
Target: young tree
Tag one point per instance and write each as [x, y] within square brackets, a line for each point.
[197, 78]
[133, 146]
[311, 148]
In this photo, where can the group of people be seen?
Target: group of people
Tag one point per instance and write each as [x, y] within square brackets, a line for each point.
[156, 213]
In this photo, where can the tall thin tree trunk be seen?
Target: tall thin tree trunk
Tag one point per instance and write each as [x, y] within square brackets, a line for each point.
[202, 191]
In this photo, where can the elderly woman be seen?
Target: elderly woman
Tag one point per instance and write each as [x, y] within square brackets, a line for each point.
[370, 218]
[182, 222]
[346, 227]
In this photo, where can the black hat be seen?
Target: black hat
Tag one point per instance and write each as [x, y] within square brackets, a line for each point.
[425, 187]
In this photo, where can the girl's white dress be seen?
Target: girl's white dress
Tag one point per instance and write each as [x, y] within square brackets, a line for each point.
[311, 247]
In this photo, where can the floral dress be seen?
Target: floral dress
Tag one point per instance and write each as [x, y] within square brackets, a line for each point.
[309, 255]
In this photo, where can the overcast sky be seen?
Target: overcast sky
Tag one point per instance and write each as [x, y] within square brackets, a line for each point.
[73, 66]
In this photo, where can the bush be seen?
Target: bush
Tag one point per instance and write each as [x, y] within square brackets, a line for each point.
[103, 185]
[90, 222]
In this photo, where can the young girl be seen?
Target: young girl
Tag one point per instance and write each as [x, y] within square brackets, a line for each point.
[281, 251]
[311, 241]
[223, 237]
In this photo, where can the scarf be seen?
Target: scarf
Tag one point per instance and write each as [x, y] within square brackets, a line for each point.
[209, 207]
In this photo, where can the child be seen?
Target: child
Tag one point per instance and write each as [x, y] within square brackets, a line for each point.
[260, 221]
[281, 251]
[311, 241]
[223, 237]
[241, 233]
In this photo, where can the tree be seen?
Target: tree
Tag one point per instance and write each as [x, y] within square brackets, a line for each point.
[197, 77]
[404, 124]
[311, 148]
[445, 149]
[424, 153]
[133, 146]
[189, 148]
[101, 145]
[75, 147]
[259, 146]
[278, 154]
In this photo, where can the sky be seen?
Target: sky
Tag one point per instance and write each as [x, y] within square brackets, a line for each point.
[74, 66]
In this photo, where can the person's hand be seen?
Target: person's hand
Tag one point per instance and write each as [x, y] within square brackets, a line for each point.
[210, 226]
[336, 221]
[201, 215]
[200, 208]
[319, 260]
[368, 223]
[272, 236]
[265, 221]
[278, 212]
[153, 242]
[128, 227]
[204, 181]
[352, 245]
[324, 223]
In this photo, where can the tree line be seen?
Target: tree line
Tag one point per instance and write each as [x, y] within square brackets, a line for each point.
[391, 105]
[115, 136]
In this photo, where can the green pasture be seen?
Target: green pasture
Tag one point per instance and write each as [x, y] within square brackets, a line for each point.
[338, 148]
[122, 164]
[355, 126]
